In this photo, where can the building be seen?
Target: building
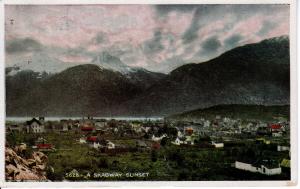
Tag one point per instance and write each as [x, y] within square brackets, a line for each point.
[94, 142]
[283, 148]
[154, 138]
[217, 144]
[155, 146]
[14, 128]
[266, 167]
[189, 140]
[34, 126]
[100, 125]
[275, 127]
[277, 134]
[179, 134]
[141, 145]
[188, 131]
[177, 141]
[285, 163]
[82, 140]
[87, 128]
[44, 146]
[263, 141]
[110, 145]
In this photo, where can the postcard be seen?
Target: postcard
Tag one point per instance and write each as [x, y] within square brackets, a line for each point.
[160, 92]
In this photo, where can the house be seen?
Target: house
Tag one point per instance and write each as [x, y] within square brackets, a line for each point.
[65, 125]
[34, 126]
[82, 141]
[188, 131]
[100, 125]
[189, 140]
[282, 148]
[40, 140]
[135, 125]
[44, 146]
[285, 163]
[177, 141]
[275, 127]
[146, 129]
[141, 144]
[87, 128]
[277, 134]
[97, 143]
[206, 123]
[262, 130]
[110, 145]
[263, 140]
[115, 130]
[266, 167]
[155, 146]
[154, 138]
[217, 144]
[179, 134]
[14, 128]
[92, 139]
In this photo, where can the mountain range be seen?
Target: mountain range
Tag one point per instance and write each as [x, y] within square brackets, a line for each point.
[251, 74]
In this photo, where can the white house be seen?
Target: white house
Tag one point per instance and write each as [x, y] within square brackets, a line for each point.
[189, 140]
[110, 145]
[156, 139]
[177, 141]
[277, 134]
[146, 129]
[100, 125]
[97, 145]
[206, 123]
[283, 148]
[115, 130]
[259, 168]
[65, 127]
[34, 126]
[217, 144]
[82, 140]
[180, 134]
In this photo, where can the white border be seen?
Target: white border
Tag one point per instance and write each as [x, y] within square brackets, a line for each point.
[294, 102]
[148, 1]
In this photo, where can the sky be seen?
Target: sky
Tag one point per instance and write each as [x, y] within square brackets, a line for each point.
[156, 37]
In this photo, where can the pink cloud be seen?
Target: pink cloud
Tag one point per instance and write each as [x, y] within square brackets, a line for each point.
[75, 59]
[127, 27]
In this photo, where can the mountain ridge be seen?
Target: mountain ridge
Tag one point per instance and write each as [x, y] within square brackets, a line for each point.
[251, 74]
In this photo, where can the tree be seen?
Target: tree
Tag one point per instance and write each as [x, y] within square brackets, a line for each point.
[164, 141]
[153, 156]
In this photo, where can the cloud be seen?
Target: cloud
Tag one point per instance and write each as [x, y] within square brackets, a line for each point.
[168, 64]
[163, 10]
[156, 37]
[100, 38]
[211, 45]
[267, 26]
[232, 41]
[22, 45]
[154, 45]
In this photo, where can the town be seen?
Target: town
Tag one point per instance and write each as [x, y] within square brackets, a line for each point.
[221, 148]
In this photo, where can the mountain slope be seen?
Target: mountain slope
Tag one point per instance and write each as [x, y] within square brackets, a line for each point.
[80, 90]
[251, 74]
[139, 76]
